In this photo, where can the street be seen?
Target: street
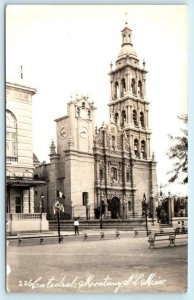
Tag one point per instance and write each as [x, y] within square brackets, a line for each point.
[97, 266]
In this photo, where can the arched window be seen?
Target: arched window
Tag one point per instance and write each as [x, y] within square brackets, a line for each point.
[129, 206]
[139, 91]
[116, 118]
[113, 174]
[123, 118]
[11, 137]
[136, 147]
[123, 87]
[116, 89]
[142, 119]
[133, 86]
[83, 105]
[127, 177]
[89, 114]
[101, 174]
[113, 141]
[135, 117]
[143, 154]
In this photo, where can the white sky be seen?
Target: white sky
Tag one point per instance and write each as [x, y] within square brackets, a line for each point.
[68, 49]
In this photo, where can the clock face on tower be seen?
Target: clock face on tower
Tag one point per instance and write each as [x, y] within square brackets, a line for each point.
[83, 132]
[63, 133]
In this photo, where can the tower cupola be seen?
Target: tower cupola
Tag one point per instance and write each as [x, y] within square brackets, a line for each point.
[126, 35]
[127, 50]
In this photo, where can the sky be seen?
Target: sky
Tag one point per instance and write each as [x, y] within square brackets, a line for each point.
[67, 50]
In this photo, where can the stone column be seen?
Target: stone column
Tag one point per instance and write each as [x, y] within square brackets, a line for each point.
[128, 88]
[144, 87]
[12, 202]
[136, 84]
[124, 207]
[147, 121]
[138, 114]
[26, 199]
[130, 116]
[31, 200]
[112, 89]
[148, 147]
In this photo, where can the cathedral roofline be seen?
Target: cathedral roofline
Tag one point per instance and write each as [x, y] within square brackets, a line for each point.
[118, 100]
[130, 65]
[61, 118]
[21, 87]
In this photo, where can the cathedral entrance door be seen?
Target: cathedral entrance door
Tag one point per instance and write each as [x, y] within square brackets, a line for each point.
[114, 208]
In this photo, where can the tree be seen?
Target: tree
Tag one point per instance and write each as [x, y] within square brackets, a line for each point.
[178, 152]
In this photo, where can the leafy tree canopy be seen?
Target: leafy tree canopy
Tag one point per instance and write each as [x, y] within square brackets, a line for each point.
[178, 152]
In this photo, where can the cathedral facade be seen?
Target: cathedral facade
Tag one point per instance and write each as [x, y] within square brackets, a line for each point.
[105, 171]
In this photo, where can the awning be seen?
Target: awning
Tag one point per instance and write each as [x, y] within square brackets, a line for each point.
[23, 182]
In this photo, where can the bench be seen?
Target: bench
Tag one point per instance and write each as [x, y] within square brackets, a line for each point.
[41, 238]
[162, 237]
[102, 235]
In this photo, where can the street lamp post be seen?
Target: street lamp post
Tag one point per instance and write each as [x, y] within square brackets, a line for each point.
[41, 210]
[152, 204]
[58, 207]
[101, 177]
[145, 206]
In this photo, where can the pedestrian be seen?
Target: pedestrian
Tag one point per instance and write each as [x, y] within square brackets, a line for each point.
[183, 227]
[76, 226]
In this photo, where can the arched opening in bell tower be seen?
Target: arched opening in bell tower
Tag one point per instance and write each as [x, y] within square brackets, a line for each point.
[116, 118]
[135, 117]
[139, 89]
[116, 89]
[143, 153]
[123, 118]
[142, 119]
[136, 147]
[133, 86]
[123, 87]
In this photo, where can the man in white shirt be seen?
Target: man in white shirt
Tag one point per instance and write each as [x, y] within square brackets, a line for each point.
[76, 226]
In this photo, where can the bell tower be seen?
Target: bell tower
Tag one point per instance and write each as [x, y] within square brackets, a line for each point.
[75, 133]
[128, 105]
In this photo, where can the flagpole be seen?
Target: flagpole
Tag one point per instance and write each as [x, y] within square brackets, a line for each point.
[59, 207]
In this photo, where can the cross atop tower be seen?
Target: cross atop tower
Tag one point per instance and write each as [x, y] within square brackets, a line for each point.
[126, 23]
[21, 72]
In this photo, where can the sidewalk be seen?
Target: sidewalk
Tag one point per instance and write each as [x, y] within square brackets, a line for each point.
[88, 263]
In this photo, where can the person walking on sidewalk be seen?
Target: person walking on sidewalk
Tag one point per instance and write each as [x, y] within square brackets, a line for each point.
[76, 226]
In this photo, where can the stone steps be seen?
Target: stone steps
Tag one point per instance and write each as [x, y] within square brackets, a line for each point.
[95, 224]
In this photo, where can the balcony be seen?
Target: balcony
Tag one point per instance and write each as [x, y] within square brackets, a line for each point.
[11, 159]
[26, 222]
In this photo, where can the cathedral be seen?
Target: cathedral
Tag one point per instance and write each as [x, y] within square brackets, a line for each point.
[107, 171]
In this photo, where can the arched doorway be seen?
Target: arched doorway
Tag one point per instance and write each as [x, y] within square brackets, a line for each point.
[114, 207]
